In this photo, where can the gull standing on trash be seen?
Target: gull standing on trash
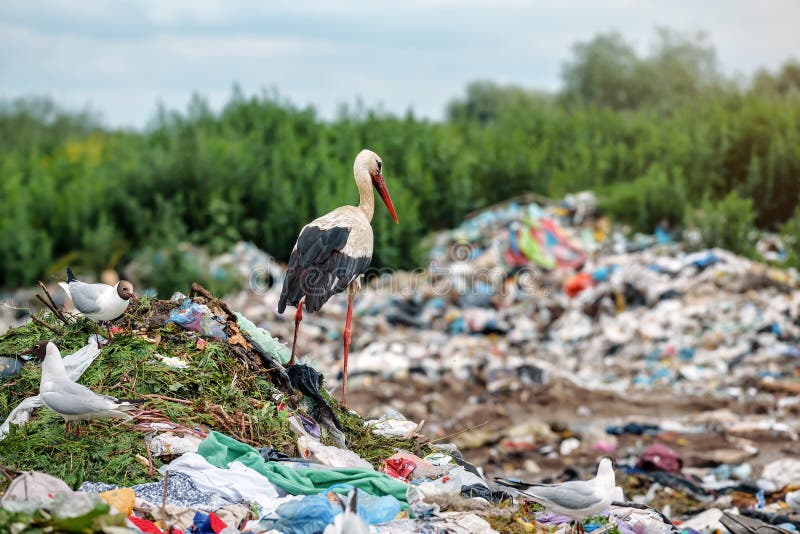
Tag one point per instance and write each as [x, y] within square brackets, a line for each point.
[576, 499]
[71, 400]
[98, 302]
[333, 251]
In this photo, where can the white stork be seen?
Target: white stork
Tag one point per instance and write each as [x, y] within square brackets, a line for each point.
[333, 251]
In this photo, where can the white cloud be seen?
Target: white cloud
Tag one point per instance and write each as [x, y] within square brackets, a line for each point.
[123, 56]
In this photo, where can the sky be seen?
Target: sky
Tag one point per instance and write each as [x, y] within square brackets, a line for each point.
[121, 58]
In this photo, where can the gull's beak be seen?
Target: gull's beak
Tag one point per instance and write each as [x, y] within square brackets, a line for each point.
[380, 185]
[134, 296]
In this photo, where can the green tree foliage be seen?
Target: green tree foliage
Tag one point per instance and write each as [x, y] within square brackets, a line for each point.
[607, 71]
[657, 136]
[726, 223]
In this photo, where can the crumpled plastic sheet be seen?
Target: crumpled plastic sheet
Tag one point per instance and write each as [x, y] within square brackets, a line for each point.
[640, 519]
[34, 486]
[75, 365]
[169, 444]
[451, 483]
[271, 455]
[264, 340]
[68, 512]
[309, 381]
[308, 515]
[198, 318]
[10, 367]
[399, 468]
[659, 457]
[483, 491]
[393, 426]
[181, 491]
[313, 449]
[313, 513]
[450, 522]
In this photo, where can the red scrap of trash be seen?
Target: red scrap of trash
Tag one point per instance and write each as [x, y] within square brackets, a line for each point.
[660, 458]
[201, 343]
[577, 283]
[217, 524]
[399, 468]
[148, 527]
[117, 330]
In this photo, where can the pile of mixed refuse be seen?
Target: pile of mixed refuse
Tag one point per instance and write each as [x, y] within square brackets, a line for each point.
[539, 330]
[540, 338]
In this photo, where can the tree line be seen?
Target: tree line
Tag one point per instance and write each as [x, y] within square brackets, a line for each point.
[663, 138]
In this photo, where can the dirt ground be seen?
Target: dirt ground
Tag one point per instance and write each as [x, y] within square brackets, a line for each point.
[475, 420]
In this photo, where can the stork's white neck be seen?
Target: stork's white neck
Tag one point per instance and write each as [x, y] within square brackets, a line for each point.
[366, 201]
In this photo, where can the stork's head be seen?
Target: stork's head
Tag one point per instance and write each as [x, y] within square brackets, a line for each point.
[368, 162]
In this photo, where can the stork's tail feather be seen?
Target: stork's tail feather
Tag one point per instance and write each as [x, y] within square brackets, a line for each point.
[70, 276]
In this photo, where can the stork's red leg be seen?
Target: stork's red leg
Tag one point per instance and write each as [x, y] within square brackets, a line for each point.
[351, 296]
[298, 316]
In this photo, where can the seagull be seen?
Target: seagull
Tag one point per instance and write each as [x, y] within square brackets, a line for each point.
[69, 399]
[576, 499]
[98, 302]
[348, 522]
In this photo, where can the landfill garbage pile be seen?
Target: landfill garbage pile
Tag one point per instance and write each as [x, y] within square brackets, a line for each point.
[540, 339]
[540, 330]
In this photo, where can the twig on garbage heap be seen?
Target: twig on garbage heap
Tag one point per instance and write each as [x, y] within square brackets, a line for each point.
[454, 434]
[8, 472]
[53, 329]
[164, 503]
[147, 440]
[51, 304]
[236, 429]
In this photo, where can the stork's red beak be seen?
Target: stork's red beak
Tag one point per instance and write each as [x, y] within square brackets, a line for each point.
[380, 185]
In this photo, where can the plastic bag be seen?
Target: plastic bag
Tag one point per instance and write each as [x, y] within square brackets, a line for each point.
[264, 340]
[198, 318]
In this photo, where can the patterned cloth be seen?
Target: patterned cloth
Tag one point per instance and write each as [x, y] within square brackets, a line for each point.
[181, 491]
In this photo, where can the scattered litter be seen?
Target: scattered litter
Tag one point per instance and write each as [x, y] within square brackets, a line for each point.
[198, 318]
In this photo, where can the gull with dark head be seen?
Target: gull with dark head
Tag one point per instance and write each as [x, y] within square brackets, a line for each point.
[98, 302]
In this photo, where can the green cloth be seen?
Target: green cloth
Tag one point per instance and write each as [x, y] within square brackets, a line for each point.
[220, 450]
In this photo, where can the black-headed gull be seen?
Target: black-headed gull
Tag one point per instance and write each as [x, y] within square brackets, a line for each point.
[576, 499]
[71, 400]
[98, 302]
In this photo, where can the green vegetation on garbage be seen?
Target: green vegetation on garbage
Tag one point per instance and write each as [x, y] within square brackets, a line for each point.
[370, 447]
[660, 136]
[222, 395]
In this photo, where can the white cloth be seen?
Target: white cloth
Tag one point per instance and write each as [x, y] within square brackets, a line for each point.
[75, 365]
[237, 483]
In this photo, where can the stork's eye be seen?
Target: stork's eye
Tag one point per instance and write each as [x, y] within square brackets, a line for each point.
[379, 165]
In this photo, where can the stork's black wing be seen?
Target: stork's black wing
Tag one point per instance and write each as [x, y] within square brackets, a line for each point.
[318, 269]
